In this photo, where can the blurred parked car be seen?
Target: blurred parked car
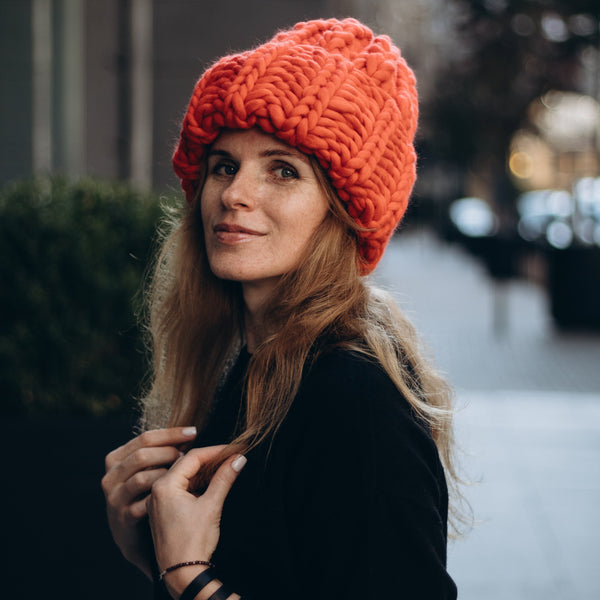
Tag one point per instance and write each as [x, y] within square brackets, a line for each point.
[586, 193]
[565, 227]
[473, 217]
[544, 217]
[562, 228]
[477, 227]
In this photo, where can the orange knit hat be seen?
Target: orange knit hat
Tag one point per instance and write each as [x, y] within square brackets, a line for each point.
[329, 88]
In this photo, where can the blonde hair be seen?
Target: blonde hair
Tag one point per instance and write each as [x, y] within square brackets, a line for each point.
[196, 319]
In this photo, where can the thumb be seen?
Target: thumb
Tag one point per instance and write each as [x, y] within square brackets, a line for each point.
[183, 470]
[223, 479]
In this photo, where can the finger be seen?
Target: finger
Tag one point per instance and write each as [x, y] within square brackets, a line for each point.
[140, 484]
[138, 510]
[223, 479]
[127, 494]
[188, 466]
[141, 459]
[172, 436]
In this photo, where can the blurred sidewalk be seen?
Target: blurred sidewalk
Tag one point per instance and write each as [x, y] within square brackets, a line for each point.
[529, 423]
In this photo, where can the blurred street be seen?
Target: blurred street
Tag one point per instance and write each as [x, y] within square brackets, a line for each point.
[528, 423]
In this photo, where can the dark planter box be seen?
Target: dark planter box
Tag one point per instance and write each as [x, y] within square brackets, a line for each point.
[574, 287]
[55, 534]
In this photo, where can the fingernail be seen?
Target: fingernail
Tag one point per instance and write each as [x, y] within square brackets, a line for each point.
[238, 464]
[189, 431]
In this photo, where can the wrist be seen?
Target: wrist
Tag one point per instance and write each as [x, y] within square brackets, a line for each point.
[203, 586]
[177, 581]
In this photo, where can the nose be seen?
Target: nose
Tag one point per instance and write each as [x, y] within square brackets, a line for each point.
[241, 192]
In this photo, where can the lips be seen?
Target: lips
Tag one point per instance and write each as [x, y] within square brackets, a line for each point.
[228, 233]
[226, 227]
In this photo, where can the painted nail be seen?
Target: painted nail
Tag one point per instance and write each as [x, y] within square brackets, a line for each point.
[189, 431]
[238, 464]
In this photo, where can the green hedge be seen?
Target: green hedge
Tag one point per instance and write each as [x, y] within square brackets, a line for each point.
[72, 259]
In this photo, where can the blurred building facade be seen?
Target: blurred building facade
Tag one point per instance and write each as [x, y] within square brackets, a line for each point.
[98, 87]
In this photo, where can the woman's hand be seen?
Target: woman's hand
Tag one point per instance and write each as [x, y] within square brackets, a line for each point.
[131, 471]
[185, 527]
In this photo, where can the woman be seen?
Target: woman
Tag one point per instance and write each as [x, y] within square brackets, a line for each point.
[272, 351]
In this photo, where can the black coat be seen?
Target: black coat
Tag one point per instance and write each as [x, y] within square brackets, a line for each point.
[350, 502]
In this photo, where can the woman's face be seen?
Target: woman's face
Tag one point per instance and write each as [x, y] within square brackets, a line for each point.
[261, 204]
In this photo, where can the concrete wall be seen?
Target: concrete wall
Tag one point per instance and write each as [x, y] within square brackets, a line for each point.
[85, 114]
[104, 138]
[15, 89]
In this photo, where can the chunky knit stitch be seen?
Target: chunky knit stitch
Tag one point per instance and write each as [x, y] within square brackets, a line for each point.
[329, 88]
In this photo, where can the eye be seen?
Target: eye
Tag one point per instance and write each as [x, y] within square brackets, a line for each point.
[285, 171]
[224, 168]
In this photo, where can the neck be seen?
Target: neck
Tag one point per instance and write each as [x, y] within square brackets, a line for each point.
[254, 332]
[254, 317]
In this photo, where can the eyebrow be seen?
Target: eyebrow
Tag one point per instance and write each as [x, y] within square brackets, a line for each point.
[266, 153]
[284, 152]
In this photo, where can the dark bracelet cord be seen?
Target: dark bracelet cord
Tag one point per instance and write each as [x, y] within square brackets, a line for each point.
[197, 585]
[221, 594]
[200, 582]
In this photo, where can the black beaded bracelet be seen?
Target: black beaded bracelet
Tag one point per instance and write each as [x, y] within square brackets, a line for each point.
[190, 563]
[197, 584]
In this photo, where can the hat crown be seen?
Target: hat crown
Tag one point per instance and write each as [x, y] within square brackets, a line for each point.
[330, 88]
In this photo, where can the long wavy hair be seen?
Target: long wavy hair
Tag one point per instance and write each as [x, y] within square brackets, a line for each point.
[195, 323]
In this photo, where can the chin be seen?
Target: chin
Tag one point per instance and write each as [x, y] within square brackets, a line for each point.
[235, 272]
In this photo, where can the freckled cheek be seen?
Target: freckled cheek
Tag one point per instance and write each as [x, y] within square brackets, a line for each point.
[207, 204]
[209, 210]
[305, 225]
[294, 244]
